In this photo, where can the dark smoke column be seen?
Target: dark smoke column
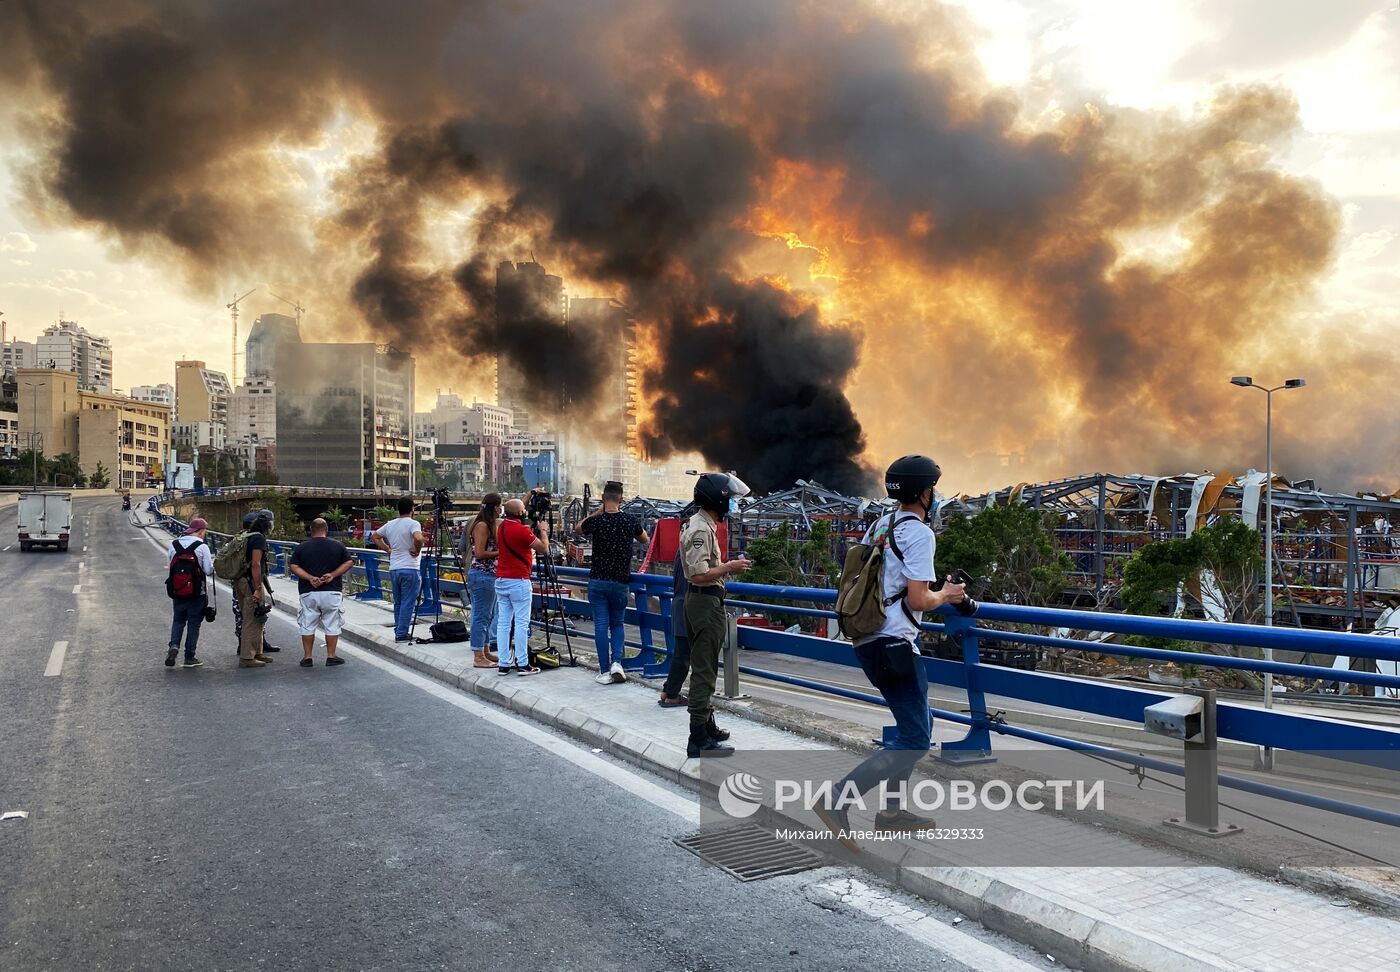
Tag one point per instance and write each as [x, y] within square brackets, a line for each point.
[752, 380]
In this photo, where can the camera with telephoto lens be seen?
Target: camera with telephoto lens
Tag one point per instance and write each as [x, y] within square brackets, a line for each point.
[442, 499]
[538, 505]
[210, 613]
[967, 607]
[262, 610]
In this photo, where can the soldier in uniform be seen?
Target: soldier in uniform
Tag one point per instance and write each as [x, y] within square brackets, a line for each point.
[706, 570]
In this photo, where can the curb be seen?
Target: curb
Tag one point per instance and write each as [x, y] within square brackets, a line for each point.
[1033, 917]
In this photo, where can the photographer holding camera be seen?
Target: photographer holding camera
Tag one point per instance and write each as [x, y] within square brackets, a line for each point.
[890, 657]
[517, 544]
[609, 574]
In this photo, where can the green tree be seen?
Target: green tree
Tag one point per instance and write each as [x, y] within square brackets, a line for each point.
[1220, 564]
[65, 471]
[335, 518]
[264, 477]
[1010, 551]
[287, 525]
[100, 478]
[429, 478]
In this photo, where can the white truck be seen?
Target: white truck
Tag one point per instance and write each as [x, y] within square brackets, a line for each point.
[45, 519]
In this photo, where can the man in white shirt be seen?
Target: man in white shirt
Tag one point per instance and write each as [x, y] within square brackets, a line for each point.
[890, 657]
[187, 585]
[402, 540]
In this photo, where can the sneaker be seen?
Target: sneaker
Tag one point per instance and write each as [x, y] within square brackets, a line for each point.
[170, 657]
[402, 641]
[334, 660]
[900, 822]
[503, 670]
[839, 824]
[604, 678]
[527, 670]
[250, 663]
[193, 663]
[306, 663]
[616, 673]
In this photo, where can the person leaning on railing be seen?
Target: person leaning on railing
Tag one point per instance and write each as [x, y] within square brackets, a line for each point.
[890, 657]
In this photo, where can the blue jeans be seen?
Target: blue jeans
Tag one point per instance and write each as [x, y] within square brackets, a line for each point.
[189, 615]
[897, 670]
[405, 583]
[609, 602]
[513, 604]
[482, 588]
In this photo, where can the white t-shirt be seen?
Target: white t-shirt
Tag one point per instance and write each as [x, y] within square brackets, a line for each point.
[398, 534]
[916, 543]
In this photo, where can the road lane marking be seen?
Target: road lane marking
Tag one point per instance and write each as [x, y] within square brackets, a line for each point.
[77, 588]
[7, 548]
[920, 926]
[55, 665]
[658, 796]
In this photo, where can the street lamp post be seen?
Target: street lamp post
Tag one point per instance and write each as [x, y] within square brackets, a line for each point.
[1245, 381]
[34, 386]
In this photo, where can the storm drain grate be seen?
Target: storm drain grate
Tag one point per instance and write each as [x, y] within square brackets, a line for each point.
[749, 853]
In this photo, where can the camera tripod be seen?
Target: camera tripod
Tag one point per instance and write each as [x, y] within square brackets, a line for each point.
[434, 557]
[549, 574]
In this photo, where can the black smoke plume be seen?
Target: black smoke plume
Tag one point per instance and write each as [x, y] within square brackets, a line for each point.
[653, 151]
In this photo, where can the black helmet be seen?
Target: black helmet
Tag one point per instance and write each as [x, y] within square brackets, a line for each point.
[909, 476]
[713, 491]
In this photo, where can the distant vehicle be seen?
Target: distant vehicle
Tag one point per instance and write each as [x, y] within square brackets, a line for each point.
[45, 519]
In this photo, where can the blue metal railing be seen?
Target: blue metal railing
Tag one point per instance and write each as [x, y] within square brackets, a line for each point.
[1348, 742]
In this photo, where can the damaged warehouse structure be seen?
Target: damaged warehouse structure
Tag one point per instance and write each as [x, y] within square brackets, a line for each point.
[1336, 556]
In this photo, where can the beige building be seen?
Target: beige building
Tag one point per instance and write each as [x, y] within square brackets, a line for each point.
[201, 395]
[129, 438]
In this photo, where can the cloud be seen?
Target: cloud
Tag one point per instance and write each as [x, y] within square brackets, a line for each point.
[22, 263]
[17, 243]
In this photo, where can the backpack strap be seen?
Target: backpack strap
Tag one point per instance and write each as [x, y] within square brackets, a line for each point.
[893, 544]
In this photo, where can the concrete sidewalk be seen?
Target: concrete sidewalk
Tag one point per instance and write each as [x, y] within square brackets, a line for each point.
[1167, 913]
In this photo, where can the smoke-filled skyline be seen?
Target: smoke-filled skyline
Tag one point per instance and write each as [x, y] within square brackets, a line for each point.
[839, 239]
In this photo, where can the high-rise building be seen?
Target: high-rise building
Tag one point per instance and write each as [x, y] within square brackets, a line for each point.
[162, 394]
[16, 354]
[270, 332]
[130, 439]
[252, 412]
[345, 416]
[201, 395]
[68, 347]
[195, 436]
[526, 296]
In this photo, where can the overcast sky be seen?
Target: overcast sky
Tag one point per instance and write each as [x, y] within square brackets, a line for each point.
[1341, 58]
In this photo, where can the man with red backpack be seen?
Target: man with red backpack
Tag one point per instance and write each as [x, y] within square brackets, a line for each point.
[191, 569]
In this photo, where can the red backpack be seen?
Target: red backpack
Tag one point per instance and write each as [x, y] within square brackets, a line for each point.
[186, 580]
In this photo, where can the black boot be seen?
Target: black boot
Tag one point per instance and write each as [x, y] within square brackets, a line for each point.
[716, 733]
[702, 745]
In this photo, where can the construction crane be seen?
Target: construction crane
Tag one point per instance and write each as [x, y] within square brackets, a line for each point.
[294, 306]
[233, 312]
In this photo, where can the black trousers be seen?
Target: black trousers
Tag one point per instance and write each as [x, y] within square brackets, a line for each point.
[680, 666]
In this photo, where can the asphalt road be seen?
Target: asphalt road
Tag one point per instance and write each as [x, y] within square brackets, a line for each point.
[335, 818]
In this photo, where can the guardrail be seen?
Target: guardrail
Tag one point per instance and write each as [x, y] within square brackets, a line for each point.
[1346, 742]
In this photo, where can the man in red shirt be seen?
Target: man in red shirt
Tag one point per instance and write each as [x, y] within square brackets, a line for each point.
[517, 544]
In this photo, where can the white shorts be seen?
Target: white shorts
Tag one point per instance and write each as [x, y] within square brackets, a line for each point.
[319, 607]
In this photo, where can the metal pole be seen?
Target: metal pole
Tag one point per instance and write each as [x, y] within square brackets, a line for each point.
[1268, 751]
[731, 657]
[1202, 778]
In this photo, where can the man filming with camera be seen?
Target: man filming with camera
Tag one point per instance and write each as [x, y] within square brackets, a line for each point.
[890, 656]
[609, 573]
